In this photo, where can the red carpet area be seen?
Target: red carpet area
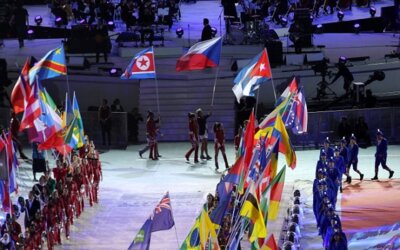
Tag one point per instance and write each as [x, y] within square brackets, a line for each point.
[370, 214]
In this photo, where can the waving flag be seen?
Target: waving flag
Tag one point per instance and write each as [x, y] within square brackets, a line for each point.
[290, 89]
[33, 108]
[77, 114]
[270, 243]
[22, 88]
[142, 238]
[252, 75]
[142, 66]
[265, 127]
[298, 114]
[51, 65]
[276, 186]
[162, 216]
[251, 210]
[199, 235]
[202, 55]
[160, 219]
[68, 113]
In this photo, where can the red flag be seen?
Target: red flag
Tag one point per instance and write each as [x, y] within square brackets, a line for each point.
[248, 150]
[5, 196]
[22, 88]
[270, 243]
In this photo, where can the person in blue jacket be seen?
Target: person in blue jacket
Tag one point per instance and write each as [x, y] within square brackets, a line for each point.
[338, 241]
[322, 163]
[344, 152]
[381, 155]
[327, 148]
[353, 156]
[333, 174]
[340, 166]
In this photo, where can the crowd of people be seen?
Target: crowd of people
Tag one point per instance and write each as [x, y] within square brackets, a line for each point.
[332, 165]
[327, 183]
[54, 202]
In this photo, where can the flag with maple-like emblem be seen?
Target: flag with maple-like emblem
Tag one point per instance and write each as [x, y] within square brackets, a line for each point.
[142, 66]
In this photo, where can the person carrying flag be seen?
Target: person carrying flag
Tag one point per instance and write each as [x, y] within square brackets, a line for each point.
[193, 138]
[203, 133]
[151, 133]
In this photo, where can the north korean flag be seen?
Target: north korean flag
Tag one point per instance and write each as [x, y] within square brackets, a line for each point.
[142, 66]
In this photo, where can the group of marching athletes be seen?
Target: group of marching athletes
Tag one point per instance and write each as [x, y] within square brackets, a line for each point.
[198, 134]
[53, 203]
[332, 165]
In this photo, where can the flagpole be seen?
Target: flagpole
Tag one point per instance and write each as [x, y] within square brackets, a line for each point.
[258, 94]
[215, 85]
[272, 78]
[66, 71]
[176, 235]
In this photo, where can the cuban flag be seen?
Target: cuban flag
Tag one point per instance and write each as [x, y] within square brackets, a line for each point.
[252, 76]
[202, 55]
[142, 66]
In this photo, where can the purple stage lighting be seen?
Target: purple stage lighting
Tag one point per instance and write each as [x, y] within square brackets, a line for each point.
[357, 28]
[38, 20]
[340, 15]
[214, 31]
[111, 25]
[372, 11]
[179, 32]
[58, 22]
[30, 34]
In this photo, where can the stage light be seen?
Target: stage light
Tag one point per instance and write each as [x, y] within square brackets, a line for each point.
[319, 29]
[372, 11]
[342, 59]
[82, 21]
[214, 31]
[179, 32]
[113, 72]
[284, 22]
[111, 25]
[30, 34]
[356, 28]
[340, 15]
[38, 20]
[58, 22]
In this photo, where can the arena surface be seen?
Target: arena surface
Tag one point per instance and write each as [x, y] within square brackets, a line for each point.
[132, 186]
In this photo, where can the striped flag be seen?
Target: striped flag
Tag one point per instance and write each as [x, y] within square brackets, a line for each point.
[22, 88]
[142, 66]
[252, 76]
[51, 65]
[251, 210]
[276, 186]
[205, 54]
[33, 108]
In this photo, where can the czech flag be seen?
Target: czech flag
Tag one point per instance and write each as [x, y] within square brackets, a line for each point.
[202, 55]
[142, 66]
[257, 71]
